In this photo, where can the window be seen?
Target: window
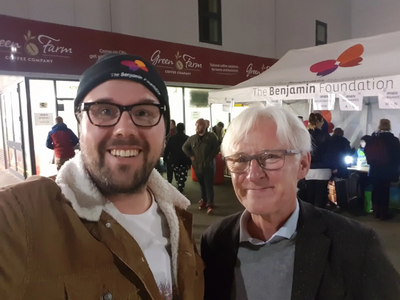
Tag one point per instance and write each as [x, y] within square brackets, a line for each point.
[210, 29]
[321, 33]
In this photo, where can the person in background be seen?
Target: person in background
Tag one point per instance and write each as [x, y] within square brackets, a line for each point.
[360, 153]
[383, 156]
[202, 148]
[167, 162]
[360, 160]
[320, 170]
[207, 125]
[340, 149]
[218, 131]
[109, 226]
[178, 159]
[62, 140]
[279, 247]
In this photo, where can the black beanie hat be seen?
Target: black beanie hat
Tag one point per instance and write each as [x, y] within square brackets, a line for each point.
[126, 67]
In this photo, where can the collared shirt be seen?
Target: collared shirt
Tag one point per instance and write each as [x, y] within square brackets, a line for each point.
[285, 232]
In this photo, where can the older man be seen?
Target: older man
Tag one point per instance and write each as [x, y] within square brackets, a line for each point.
[281, 248]
[112, 228]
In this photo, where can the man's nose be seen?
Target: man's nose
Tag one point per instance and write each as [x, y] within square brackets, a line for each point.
[125, 126]
[255, 172]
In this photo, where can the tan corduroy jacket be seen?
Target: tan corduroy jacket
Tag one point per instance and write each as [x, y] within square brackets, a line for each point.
[66, 242]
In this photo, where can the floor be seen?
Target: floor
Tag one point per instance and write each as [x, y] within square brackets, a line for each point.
[227, 204]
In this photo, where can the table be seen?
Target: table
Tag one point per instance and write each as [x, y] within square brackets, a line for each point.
[362, 169]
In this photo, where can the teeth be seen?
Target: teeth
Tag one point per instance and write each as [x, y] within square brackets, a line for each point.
[124, 153]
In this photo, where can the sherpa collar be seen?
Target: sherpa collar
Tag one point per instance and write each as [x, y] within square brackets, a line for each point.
[88, 202]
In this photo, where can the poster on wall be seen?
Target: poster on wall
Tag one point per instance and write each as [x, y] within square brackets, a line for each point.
[351, 102]
[43, 119]
[324, 102]
[389, 100]
[195, 115]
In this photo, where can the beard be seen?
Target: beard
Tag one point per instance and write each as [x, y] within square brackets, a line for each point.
[123, 180]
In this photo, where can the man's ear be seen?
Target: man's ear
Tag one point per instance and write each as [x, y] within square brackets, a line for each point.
[305, 162]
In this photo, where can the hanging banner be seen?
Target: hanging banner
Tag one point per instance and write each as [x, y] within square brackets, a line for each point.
[324, 102]
[227, 106]
[389, 100]
[351, 102]
[277, 103]
[39, 47]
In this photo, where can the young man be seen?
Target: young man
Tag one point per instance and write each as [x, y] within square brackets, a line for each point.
[202, 148]
[62, 140]
[280, 247]
[112, 227]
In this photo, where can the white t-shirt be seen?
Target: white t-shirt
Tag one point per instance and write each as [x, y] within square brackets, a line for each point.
[151, 232]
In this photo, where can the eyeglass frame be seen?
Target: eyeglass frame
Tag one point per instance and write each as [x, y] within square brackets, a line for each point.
[122, 108]
[250, 158]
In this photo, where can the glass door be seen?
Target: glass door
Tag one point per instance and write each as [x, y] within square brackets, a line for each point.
[15, 160]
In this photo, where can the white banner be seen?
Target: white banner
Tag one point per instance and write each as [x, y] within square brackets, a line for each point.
[227, 105]
[352, 102]
[389, 100]
[277, 103]
[324, 102]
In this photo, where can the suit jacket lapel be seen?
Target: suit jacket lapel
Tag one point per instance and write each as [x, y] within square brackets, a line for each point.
[312, 248]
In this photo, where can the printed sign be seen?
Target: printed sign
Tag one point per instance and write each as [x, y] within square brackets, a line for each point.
[43, 104]
[195, 115]
[227, 106]
[43, 119]
[277, 103]
[324, 102]
[351, 102]
[389, 100]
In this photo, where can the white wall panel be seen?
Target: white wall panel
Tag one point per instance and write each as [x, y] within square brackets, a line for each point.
[15, 8]
[127, 17]
[93, 14]
[157, 19]
[53, 11]
[372, 17]
[295, 22]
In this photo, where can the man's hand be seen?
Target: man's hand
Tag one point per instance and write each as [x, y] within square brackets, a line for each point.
[192, 158]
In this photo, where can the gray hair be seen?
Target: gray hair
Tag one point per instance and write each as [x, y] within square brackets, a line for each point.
[290, 130]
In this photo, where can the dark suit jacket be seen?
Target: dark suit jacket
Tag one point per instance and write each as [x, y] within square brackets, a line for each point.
[335, 258]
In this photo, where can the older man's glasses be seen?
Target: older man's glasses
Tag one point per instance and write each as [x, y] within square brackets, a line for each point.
[105, 114]
[269, 160]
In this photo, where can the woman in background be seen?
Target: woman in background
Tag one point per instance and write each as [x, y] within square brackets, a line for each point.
[320, 172]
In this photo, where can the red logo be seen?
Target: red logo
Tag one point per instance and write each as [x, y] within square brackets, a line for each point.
[349, 58]
[134, 65]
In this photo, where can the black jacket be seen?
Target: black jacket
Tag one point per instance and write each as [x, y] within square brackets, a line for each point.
[173, 150]
[339, 149]
[204, 151]
[320, 154]
[383, 156]
[335, 259]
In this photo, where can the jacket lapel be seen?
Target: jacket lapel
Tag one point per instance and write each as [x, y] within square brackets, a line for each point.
[312, 248]
[110, 233]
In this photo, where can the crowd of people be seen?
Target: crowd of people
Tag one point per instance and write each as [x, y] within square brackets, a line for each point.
[111, 227]
[381, 152]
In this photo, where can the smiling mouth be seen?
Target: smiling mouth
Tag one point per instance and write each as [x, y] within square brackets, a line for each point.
[124, 153]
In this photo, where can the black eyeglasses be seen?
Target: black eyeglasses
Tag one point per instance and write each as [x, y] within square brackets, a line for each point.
[269, 160]
[105, 114]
